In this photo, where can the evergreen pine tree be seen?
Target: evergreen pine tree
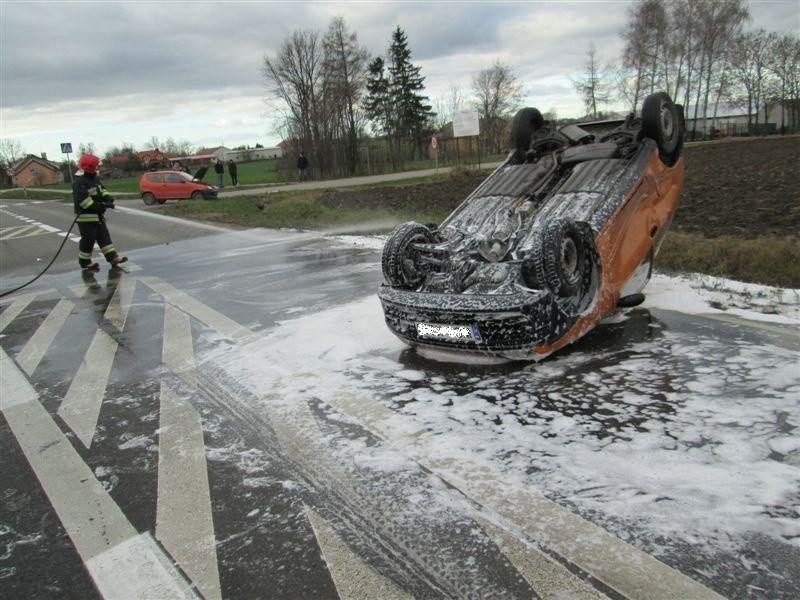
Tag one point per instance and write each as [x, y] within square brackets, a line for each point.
[411, 110]
[376, 102]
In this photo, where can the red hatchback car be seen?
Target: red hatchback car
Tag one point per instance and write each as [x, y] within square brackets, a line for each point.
[160, 186]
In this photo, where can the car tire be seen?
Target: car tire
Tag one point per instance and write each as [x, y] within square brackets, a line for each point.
[524, 123]
[399, 261]
[560, 260]
[662, 123]
[197, 195]
[148, 198]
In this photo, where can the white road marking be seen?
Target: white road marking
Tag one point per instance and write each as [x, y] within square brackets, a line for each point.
[23, 231]
[184, 522]
[120, 303]
[74, 238]
[212, 318]
[551, 580]
[13, 310]
[178, 349]
[122, 563]
[624, 568]
[81, 406]
[19, 234]
[33, 351]
[354, 579]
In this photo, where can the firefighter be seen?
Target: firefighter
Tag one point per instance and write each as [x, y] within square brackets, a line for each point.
[91, 201]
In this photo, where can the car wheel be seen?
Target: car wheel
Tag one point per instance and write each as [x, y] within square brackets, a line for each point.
[197, 195]
[148, 198]
[524, 123]
[400, 260]
[560, 260]
[661, 122]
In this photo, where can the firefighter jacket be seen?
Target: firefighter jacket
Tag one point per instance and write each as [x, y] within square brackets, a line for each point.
[90, 198]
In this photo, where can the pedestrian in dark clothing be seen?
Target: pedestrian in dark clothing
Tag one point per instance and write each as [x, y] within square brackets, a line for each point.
[219, 169]
[302, 166]
[91, 201]
[232, 171]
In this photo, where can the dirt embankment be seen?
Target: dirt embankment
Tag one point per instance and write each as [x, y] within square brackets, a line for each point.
[744, 187]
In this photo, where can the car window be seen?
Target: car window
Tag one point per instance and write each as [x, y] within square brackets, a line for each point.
[173, 178]
[153, 177]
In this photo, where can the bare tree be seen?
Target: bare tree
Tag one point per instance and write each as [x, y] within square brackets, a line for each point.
[153, 144]
[10, 151]
[720, 22]
[344, 66]
[173, 148]
[592, 86]
[497, 93]
[749, 58]
[448, 105]
[784, 63]
[647, 51]
[85, 148]
[295, 76]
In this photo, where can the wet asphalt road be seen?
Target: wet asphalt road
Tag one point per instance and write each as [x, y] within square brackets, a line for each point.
[235, 494]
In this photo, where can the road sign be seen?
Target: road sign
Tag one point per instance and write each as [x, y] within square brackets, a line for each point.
[433, 142]
[66, 147]
[465, 123]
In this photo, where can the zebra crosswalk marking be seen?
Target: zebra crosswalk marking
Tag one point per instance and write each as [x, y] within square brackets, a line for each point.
[353, 578]
[117, 310]
[22, 231]
[33, 351]
[184, 523]
[13, 310]
[80, 408]
[178, 350]
[215, 320]
[122, 563]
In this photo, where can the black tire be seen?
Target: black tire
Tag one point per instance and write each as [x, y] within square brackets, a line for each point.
[161, 200]
[524, 123]
[198, 195]
[148, 198]
[560, 260]
[662, 123]
[400, 261]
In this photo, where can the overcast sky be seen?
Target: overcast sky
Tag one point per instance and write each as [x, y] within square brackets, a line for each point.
[113, 72]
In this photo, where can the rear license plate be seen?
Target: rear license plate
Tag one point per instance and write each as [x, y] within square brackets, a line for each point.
[449, 333]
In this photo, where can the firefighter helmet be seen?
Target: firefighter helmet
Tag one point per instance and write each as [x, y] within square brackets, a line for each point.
[89, 163]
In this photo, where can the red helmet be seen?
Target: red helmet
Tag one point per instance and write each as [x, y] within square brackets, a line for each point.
[89, 163]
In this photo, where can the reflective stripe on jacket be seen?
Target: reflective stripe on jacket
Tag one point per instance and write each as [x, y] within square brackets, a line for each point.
[88, 194]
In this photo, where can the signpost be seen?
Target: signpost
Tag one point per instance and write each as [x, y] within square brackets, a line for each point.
[66, 148]
[466, 124]
[434, 144]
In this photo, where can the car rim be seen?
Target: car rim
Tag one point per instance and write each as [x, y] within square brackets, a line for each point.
[667, 122]
[569, 259]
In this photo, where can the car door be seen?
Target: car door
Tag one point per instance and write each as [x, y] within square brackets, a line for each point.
[175, 185]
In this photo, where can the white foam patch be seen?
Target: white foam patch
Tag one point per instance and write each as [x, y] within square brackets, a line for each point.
[704, 294]
[679, 435]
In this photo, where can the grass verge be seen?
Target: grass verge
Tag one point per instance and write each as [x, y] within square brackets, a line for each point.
[300, 210]
[769, 260]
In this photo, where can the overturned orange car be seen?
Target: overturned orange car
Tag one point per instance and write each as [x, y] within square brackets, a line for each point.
[558, 237]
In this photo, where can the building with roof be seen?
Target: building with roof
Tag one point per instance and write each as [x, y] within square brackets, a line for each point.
[34, 171]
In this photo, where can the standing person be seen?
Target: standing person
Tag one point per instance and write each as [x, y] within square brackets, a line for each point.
[233, 172]
[302, 165]
[91, 201]
[219, 169]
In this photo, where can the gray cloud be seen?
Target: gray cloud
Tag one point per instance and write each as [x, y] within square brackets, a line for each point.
[181, 67]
